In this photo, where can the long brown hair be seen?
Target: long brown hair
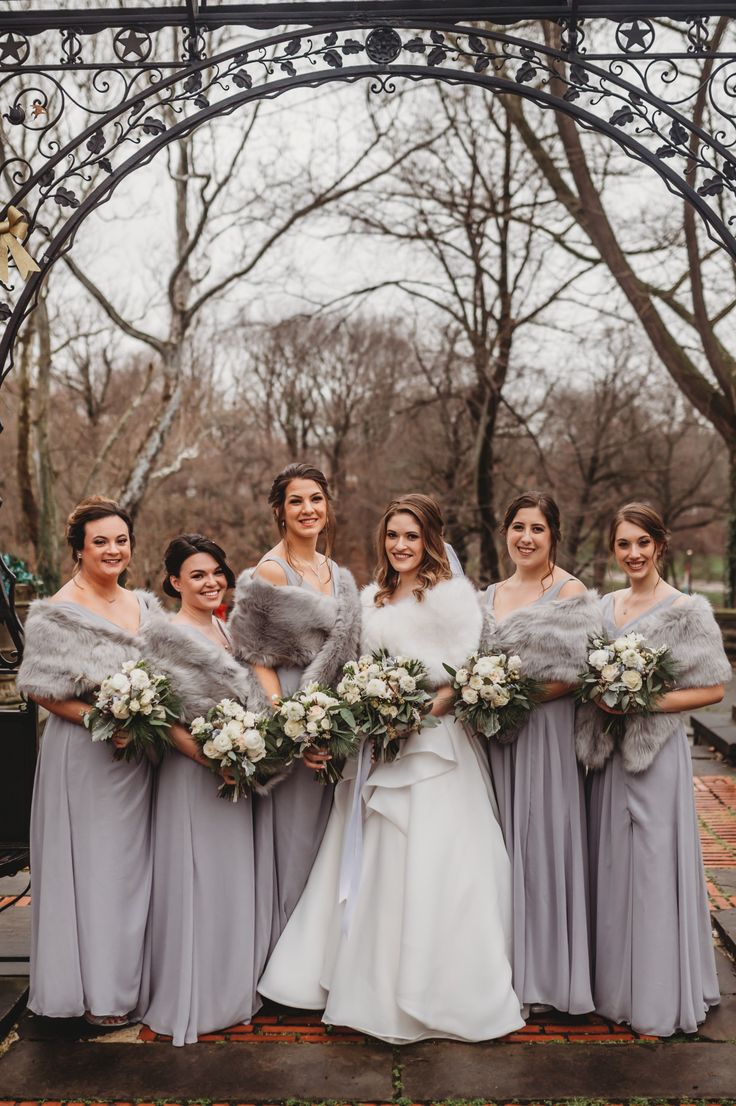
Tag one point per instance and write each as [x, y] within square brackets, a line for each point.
[543, 502]
[298, 470]
[89, 510]
[650, 520]
[434, 566]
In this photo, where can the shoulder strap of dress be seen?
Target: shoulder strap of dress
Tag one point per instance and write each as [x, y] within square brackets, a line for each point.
[557, 588]
[292, 575]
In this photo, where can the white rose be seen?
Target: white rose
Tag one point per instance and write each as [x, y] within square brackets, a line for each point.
[400, 673]
[326, 724]
[476, 682]
[146, 697]
[352, 695]
[312, 727]
[118, 682]
[598, 658]
[129, 666]
[483, 666]
[609, 672]
[134, 706]
[209, 750]
[292, 710]
[632, 680]
[621, 644]
[487, 692]
[377, 689]
[470, 695]
[147, 709]
[293, 729]
[500, 697]
[249, 719]
[139, 679]
[514, 664]
[198, 726]
[119, 709]
[462, 676]
[315, 713]
[407, 683]
[222, 742]
[254, 744]
[373, 670]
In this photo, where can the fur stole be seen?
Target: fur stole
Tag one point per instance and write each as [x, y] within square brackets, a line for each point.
[695, 642]
[275, 625]
[551, 638]
[69, 651]
[201, 673]
[444, 626]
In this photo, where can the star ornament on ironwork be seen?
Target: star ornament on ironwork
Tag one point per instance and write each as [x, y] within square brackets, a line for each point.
[132, 44]
[635, 35]
[13, 47]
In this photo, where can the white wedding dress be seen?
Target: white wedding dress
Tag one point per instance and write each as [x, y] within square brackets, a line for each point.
[427, 949]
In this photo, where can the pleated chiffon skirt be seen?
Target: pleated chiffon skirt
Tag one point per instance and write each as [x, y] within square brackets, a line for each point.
[201, 965]
[541, 798]
[91, 875]
[653, 946]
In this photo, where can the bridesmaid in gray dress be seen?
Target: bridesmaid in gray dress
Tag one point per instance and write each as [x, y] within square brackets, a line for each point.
[90, 821]
[545, 616]
[201, 965]
[653, 948]
[296, 619]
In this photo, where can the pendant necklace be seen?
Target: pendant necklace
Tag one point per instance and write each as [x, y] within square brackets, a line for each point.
[97, 596]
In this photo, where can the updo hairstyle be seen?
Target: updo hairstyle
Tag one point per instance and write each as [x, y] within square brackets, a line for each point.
[90, 509]
[185, 546]
[543, 502]
[277, 498]
[650, 520]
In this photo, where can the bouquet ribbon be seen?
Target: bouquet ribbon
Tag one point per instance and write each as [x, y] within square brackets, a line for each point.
[351, 860]
[12, 232]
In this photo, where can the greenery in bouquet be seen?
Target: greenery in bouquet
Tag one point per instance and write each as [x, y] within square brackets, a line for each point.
[237, 742]
[315, 718]
[627, 675]
[390, 698]
[139, 703]
[491, 695]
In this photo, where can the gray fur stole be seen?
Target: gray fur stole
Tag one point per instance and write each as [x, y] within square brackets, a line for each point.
[696, 645]
[201, 673]
[275, 625]
[551, 638]
[70, 651]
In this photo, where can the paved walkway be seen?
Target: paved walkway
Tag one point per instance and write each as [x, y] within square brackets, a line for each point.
[298, 1059]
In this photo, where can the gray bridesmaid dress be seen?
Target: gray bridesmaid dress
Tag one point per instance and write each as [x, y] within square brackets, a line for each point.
[290, 820]
[541, 799]
[653, 948]
[200, 970]
[91, 871]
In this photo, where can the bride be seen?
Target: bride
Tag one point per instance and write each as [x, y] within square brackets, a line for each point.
[407, 935]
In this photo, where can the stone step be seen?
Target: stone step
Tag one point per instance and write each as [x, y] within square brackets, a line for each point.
[725, 921]
[716, 728]
[13, 995]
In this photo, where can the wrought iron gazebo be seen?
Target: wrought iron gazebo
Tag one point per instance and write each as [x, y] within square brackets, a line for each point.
[620, 68]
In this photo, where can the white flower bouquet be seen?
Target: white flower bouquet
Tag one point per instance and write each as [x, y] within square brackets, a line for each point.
[315, 718]
[139, 703]
[390, 698]
[235, 740]
[627, 675]
[491, 695]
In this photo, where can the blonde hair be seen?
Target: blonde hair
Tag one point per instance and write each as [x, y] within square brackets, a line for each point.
[434, 566]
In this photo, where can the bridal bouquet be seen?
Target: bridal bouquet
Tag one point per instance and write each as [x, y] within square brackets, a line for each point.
[389, 697]
[627, 675]
[492, 697]
[139, 703]
[314, 718]
[235, 740]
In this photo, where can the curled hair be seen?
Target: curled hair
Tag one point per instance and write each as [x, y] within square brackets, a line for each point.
[298, 470]
[644, 516]
[434, 565]
[90, 509]
[181, 548]
[543, 502]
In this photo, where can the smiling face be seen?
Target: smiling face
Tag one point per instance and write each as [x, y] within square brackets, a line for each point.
[404, 543]
[635, 550]
[201, 582]
[106, 551]
[304, 512]
[529, 539]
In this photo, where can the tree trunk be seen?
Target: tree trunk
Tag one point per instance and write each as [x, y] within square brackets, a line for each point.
[730, 565]
[23, 457]
[485, 480]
